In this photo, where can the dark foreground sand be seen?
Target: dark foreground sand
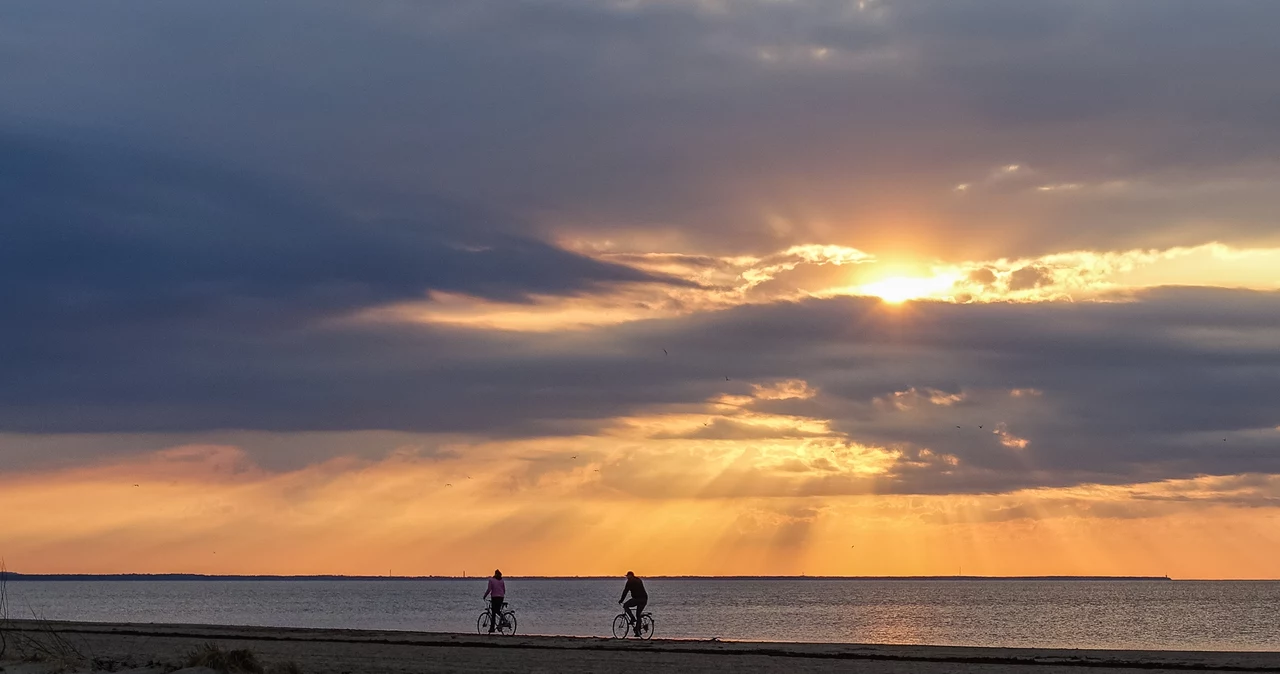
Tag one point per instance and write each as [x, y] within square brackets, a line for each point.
[161, 648]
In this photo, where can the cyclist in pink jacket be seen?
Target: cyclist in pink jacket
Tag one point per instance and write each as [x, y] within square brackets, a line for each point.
[496, 593]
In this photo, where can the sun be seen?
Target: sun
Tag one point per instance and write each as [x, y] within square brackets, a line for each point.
[899, 289]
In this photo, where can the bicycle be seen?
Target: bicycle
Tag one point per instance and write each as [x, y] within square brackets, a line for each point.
[506, 621]
[624, 626]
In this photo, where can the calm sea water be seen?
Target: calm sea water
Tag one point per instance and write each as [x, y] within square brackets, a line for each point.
[1077, 614]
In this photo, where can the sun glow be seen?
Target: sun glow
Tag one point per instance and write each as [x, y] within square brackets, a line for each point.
[898, 289]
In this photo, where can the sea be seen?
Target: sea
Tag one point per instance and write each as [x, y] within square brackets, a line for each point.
[1112, 614]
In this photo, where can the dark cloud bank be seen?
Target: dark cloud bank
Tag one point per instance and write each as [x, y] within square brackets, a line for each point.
[847, 126]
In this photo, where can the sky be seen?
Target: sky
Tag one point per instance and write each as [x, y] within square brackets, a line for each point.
[854, 287]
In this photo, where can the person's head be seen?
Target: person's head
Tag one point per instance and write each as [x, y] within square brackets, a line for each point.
[497, 574]
[631, 574]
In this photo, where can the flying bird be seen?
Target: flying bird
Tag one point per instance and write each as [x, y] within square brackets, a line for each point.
[664, 352]
[135, 485]
[726, 379]
[979, 425]
[448, 484]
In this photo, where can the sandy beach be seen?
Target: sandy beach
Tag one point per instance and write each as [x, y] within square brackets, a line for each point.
[163, 648]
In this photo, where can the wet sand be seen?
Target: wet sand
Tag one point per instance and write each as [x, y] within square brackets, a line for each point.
[161, 648]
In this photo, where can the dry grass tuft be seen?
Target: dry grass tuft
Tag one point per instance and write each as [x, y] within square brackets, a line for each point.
[40, 642]
[225, 660]
[289, 667]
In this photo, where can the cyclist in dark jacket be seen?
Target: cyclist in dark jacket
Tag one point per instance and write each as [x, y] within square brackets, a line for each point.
[638, 599]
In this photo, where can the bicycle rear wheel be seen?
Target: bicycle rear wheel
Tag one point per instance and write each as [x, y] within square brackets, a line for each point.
[646, 626]
[482, 623]
[621, 626]
[507, 625]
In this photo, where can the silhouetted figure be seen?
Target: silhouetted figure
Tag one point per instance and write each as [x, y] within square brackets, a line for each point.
[496, 593]
[639, 598]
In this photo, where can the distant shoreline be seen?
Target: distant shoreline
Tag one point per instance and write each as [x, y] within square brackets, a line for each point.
[12, 576]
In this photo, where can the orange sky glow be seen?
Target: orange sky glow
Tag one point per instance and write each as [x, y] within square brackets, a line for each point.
[204, 509]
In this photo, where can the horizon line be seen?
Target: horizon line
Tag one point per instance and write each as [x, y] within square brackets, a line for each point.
[14, 575]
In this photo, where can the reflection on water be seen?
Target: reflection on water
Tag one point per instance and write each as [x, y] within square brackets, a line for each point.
[1072, 614]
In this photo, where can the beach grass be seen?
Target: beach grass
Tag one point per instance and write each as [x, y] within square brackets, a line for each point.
[231, 660]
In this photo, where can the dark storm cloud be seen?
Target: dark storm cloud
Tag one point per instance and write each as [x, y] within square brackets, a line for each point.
[129, 277]
[120, 238]
[708, 119]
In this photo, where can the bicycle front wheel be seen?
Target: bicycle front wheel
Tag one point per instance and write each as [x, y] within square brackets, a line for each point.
[483, 622]
[646, 626]
[621, 626]
[507, 625]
